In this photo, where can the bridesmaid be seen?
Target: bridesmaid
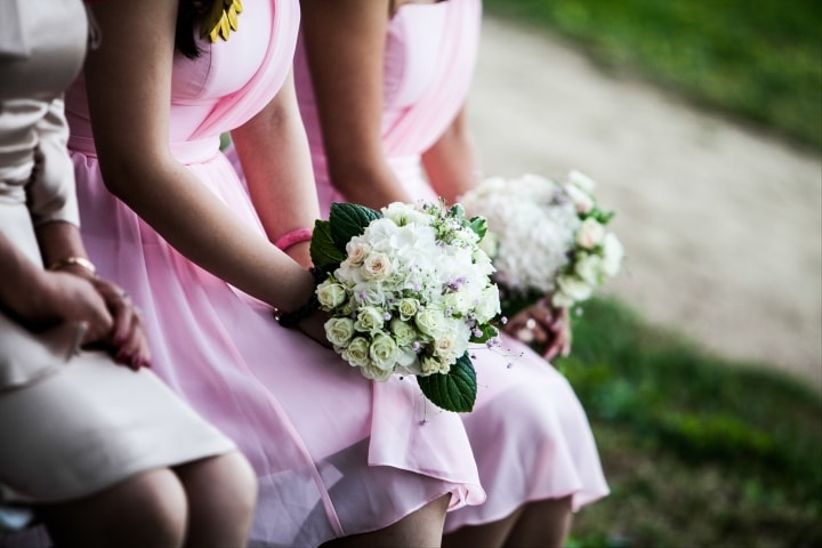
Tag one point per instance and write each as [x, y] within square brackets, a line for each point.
[91, 439]
[166, 215]
[383, 102]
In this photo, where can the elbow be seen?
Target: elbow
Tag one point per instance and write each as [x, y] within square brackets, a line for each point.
[125, 175]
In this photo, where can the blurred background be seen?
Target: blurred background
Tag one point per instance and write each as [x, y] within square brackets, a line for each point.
[702, 368]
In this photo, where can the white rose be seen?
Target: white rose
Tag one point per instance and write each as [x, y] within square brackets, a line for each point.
[456, 303]
[357, 352]
[590, 269]
[612, 254]
[582, 200]
[339, 331]
[407, 308]
[375, 373]
[430, 321]
[404, 332]
[574, 287]
[590, 234]
[489, 305]
[383, 351]
[582, 181]
[357, 252]
[376, 266]
[369, 319]
[330, 294]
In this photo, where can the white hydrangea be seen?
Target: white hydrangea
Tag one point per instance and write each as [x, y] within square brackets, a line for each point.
[546, 236]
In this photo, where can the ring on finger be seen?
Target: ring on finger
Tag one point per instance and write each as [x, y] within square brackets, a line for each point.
[530, 324]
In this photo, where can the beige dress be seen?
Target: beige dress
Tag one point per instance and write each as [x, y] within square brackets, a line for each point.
[71, 422]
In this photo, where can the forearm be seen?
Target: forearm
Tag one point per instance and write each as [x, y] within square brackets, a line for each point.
[59, 240]
[209, 234]
[374, 186]
[451, 163]
[20, 274]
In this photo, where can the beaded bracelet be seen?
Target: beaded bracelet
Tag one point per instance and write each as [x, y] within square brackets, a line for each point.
[293, 238]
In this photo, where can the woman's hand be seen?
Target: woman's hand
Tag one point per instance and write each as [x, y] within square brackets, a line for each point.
[545, 325]
[314, 327]
[127, 340]
[59, 297]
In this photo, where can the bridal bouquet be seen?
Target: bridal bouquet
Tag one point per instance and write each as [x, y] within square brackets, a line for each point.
[407, 289]
[546, 237]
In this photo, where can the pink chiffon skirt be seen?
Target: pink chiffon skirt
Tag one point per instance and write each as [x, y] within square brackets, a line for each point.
[334, 453]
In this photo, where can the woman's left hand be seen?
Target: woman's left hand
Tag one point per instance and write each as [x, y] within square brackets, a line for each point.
[545, 325]
[128, 342]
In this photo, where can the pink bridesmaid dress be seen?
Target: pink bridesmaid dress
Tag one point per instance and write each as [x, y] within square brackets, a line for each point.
[530, 435]
[335, 454]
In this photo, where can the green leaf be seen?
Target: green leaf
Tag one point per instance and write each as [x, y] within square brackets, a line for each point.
[488, 333]
[479, 225]
[603, 217]
[455, 391]
[324, 254]
[349, 220]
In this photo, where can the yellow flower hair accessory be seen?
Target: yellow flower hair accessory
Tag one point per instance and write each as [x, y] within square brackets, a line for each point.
[222, 19]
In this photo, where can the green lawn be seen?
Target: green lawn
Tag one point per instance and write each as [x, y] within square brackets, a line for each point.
[698, 451]
[761, 59]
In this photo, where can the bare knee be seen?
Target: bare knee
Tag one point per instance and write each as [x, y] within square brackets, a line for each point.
[227, 480]
[155, 508]
[222, 494]
[147, 509]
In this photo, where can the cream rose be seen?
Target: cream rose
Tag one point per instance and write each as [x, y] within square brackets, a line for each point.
[330, 294]
[356, 353]
[369, 319]
[339, 331]
[357, 252]
[407, 308]
[376, 266]
[430, 321]
[383, 351]
[590, 234]
[404, 332]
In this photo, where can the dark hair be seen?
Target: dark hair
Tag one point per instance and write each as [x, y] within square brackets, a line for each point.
[189, 15]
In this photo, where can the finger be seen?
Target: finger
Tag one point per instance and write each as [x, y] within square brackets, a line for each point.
[540, 335]
[128, 352]
[122, 314]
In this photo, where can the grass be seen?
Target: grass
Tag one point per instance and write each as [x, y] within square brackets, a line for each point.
[699, 451]
[760, 60]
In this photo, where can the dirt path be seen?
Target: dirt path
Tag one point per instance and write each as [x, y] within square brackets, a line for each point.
[722, 225]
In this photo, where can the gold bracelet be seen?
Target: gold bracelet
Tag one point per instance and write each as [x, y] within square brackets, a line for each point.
[82, 262]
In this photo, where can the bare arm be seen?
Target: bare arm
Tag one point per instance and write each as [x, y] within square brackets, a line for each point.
[129, 86]
[287, 179]
[345, 42]
[450, 163]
